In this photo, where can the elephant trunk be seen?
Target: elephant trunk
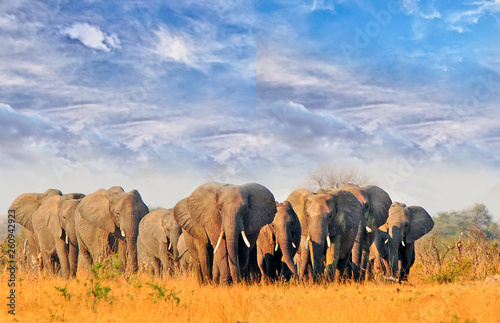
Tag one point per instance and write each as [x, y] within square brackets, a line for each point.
[394, 257]
[287, 258]
[318, 246]
[232, 243]
[357, 250]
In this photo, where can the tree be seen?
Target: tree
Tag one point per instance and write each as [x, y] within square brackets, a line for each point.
[329, 176]
[453, 223]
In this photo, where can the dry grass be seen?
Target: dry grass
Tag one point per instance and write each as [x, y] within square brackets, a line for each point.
[143, 299]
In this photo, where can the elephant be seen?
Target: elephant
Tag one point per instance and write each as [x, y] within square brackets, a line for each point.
[23, 207]
[328, 222]
[159, 234]
[277, 244]
[54, 226]
[107, 222]
[395, 240]
[222, 219]
[375, 204]
[185, 260]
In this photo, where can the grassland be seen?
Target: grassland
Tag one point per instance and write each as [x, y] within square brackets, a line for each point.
[144, 299]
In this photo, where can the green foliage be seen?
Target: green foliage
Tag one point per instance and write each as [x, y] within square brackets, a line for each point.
[457, 223]
[99, 291]
[161, 292]
[64, 292]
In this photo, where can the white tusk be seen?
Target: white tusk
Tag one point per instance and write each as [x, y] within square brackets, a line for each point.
[293, 245]
[403, 243]
[67, 239]
[386, 241]
[307, 241]
[276, 247]
[245, 239]
[218, 241]
[368, 229]
[123, 233]
[328, 242]
[170, 245]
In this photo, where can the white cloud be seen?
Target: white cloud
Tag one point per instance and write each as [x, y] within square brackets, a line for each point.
[92, 36]
[173, 47]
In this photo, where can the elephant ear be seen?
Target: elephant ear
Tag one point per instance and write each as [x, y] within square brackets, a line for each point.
[24, 206]
[159, 218]
[262, 206]
[347, 212]
[379, 202]
[95, 208]
[296, 229]
[298, 200]
[420, 223]
[183, 216]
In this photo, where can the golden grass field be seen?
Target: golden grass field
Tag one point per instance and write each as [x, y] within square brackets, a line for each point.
[144, 299]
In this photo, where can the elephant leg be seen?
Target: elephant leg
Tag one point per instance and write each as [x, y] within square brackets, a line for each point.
[156, 266]
[407, 260]
[62, 254]
[122, 253]
[368, 239]
[204, 260]
[332, 257]
[342, 268]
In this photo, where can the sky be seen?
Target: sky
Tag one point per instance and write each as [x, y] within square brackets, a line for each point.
[163, 97]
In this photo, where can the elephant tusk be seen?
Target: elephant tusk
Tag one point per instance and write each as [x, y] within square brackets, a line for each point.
[368, 229]
[386, 241]
[170, 245]
[403, 243]
[328, 242]
[307, 241]
[245, 238]
[218, 241]
[293, 245]
[276, 247]
[67, 239]
[123, 233]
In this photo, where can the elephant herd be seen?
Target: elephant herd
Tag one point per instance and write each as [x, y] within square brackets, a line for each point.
[227, 233]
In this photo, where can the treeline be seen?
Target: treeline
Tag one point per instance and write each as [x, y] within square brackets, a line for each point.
[463, 245]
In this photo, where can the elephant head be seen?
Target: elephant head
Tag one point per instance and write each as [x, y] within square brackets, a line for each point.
[396, 238]
[231, 216]
[117, 213]
[172, 230]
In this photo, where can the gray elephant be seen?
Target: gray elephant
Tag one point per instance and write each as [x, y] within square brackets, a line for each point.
[185, 260]
[54, 226]
[225, 220]
[23, 207]
[159, 234]
[328, 221]
[375, 203]
[278, 243]
[395, 240]
[107, 222]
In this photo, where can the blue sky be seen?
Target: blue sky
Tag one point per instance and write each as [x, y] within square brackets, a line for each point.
[164, 97]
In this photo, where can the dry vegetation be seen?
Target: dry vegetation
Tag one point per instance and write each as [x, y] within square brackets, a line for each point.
[105, 296]
[182, 299]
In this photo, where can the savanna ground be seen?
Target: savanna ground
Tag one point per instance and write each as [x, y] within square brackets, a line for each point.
[446, 284]
[143, 299]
